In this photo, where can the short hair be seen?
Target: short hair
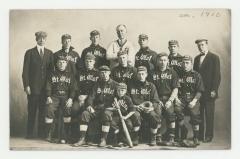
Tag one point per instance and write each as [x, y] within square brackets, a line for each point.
[121, 25]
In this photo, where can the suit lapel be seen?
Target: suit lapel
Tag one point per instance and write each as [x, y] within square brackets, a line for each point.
[37, 53]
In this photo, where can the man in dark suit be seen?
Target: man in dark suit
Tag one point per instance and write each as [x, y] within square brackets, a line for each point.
[208, 65]
[38, 62]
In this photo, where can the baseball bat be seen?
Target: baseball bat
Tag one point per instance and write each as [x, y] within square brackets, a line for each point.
[125, 129]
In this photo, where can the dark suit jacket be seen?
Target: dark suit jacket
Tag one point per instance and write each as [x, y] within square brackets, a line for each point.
[36, 69]
[210, 72]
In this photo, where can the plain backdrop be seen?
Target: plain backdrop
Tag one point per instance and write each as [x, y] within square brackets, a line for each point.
[160, 25]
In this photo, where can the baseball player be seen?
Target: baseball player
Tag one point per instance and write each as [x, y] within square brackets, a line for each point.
[122, 43]
[166, 82]
[100, 97]
[86, 79]
[145, 56]
[60, 90]
[143, 91]
[123, 72]
[175, 58]
[68, 52]
[187, 103]
[96, 49]
[111, 117]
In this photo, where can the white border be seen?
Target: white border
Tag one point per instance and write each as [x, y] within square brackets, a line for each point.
[120, 4]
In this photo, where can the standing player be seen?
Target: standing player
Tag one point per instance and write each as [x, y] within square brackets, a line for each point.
[60, 90]
[145, 56]
[190, 91]
[208, 65]
[142, 91]
[122, 43]
[38, 63]
[132, 118]
[175, 59]
[68, 52]
[123, 72]
[98, 51]
[101, 97]
[166, 82]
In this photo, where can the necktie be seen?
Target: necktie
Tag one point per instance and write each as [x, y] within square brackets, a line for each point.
[41, 53]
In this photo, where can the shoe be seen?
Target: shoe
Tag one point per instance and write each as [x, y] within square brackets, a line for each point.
[80, 143]
[159, 140]
[135, 142]
[153, 140]
[102, 143]
[195, 141]
[170, 142]
[208, 139]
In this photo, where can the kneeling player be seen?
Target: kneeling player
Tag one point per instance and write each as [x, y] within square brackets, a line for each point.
[111, 117]
[145, 97]
[187, 103]
[60, 93]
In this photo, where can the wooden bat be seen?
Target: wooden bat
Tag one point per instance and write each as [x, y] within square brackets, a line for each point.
[125, 129]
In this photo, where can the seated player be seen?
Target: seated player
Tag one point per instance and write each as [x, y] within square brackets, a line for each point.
[142, 91]
[100, 97]
[123, 72]
[60, 90]
[86, 78]
[187, 103]
[111, 117]
[166, 82]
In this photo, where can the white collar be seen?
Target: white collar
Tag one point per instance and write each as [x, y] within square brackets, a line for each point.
[40, 47]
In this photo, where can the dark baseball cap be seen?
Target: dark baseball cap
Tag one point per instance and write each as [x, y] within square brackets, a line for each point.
[200, 40]
[104, 68]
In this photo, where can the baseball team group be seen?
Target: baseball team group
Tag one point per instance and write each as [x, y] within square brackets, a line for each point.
[120, 96]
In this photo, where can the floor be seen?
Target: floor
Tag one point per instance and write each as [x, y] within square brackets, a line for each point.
[26, 144]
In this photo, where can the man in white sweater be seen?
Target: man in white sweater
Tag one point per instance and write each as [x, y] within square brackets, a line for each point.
[121, 44]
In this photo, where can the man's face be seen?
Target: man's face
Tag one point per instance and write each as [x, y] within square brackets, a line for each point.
[123, 60]
[89, 64]
[41, 41]
[61, 65]
[121, 92]
[202, 46]
[66, 43]
[95, 39]
[121, 32]
[143, 42]
[162, 62]
[105, 75]
[141, 76]
[187, 65]
[173, 49]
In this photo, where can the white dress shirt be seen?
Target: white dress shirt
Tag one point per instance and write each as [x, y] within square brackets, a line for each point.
[40, 48]
[202, 58]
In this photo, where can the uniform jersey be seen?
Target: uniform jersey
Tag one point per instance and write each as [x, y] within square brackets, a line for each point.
[145, 57]
[99, 52]
[61, 84]
[102, 94]
[123, 74]
[190, 83]
[72, 57]
[141, 92]
[86, 80]
[175, 62]
[126, 104]
[165, 81]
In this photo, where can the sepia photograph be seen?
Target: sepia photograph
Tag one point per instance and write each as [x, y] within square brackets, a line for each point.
[119, 79]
